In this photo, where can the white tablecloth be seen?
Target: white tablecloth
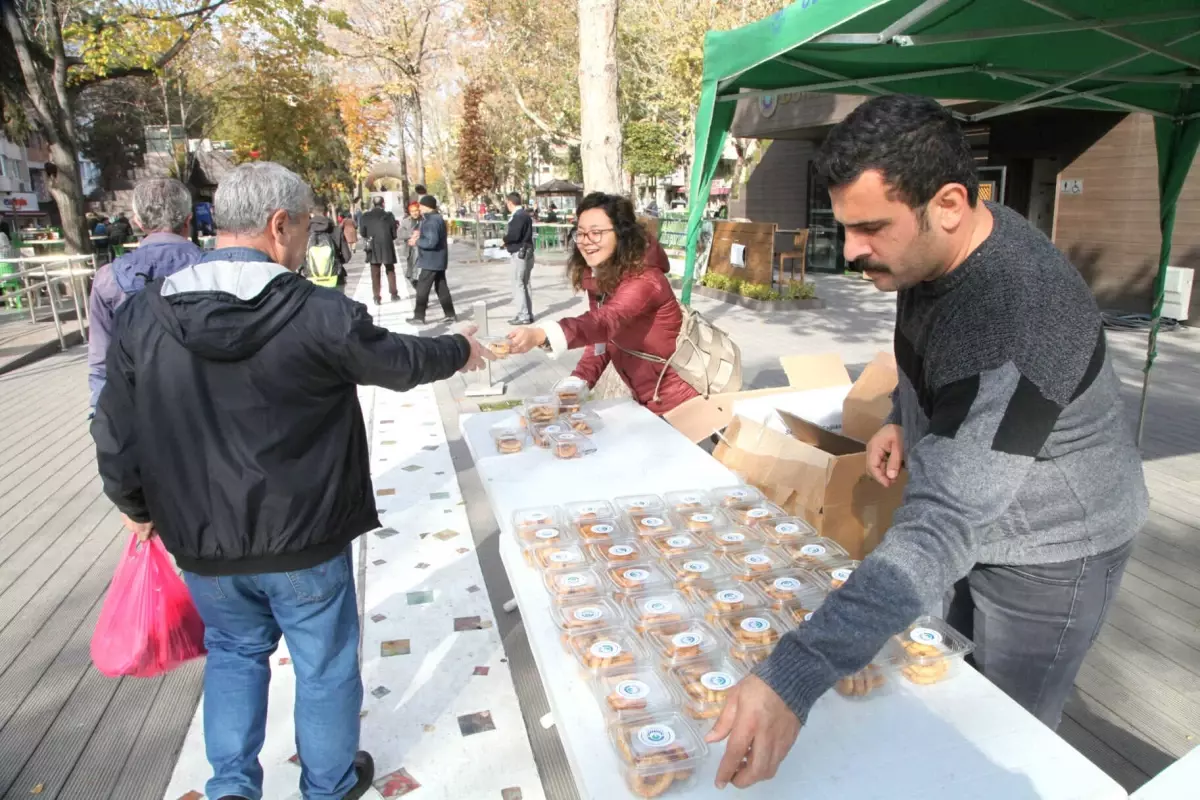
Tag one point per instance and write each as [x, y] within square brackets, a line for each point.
[958, 739]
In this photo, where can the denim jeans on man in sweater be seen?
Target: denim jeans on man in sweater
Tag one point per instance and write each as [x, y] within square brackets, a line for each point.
[244, 615]
[1033, 624]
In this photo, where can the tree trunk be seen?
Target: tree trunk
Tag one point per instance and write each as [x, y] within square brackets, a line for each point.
[600, 127]
[67, 192]
[418, 136]
[399, 102]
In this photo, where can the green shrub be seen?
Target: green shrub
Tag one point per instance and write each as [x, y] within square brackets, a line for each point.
[714, 280]
[799, 290]
[734, 286]
[759, 291]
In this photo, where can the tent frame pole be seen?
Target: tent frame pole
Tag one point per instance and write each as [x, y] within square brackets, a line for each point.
[884, 36]
[1088, 95]
[1141, 44]
[921, 40]
[824, 87]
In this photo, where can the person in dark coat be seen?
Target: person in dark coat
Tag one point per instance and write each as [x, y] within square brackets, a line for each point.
[379, 226]
[120, 231]
[433, 256]
[408, 253]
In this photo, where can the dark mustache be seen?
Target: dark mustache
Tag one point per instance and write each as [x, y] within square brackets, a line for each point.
[866, 264]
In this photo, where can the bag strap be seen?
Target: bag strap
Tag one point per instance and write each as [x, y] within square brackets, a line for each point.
[653, 359]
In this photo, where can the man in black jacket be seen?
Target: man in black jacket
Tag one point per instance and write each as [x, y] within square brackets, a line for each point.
[433, 256]
[518, 240]
[230, 426]
[379, 225]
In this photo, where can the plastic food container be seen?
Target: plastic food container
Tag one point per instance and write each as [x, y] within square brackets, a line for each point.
[676, 643]
[754, 513]
[676, 544]
[640, 502]
[704, 685]
[870, 681]
[632, 693]
[584, 421]
[571, 392]
[693, 570]
[601, 530]
[652, 523]
[528, 521]
[815, 553]
[704, 520]
[930, 651]
[618, 551]
[546, 537]
[500, 346]
[628, 579]
[737, 537]
[786, 530]
[559, 557]
[689, 500]
[657, 608]
[590, 614]
[749, 565]
[727, 597]
[509, 437]
[751, 657]
[659, 754]
[570, 585]
[589, 510]
[540, 408]
[791, 588]
[728, 496]
[542, 431]
[836, 574]
[606, 649]
[747, 630]
[569, 444]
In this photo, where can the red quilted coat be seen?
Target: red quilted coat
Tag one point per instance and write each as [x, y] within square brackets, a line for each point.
[643, 315]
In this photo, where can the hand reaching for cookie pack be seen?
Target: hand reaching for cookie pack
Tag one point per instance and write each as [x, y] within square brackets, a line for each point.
[760, 728]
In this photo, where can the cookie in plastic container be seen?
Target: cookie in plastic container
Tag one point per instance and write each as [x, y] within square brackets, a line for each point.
[659, 754]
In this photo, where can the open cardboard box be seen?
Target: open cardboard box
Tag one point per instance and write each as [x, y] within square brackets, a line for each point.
[815, 471]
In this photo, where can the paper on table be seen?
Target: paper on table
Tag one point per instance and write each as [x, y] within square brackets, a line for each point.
[737, 255]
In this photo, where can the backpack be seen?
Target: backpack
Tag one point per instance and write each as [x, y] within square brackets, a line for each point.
[705, 357]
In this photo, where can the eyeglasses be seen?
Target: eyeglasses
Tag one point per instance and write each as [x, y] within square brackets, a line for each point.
[594, 235]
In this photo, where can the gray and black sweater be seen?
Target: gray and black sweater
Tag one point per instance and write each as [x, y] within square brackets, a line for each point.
[1015, 442]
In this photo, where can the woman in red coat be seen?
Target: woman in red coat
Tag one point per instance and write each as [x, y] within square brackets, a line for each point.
[632, 306]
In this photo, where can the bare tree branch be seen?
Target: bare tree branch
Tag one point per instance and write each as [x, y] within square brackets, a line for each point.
[538, 121]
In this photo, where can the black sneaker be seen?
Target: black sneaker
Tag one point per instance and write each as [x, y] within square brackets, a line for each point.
[415, 321]
[515, 321]
[364, 765]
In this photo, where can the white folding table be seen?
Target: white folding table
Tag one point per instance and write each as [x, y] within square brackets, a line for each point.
[962, 738]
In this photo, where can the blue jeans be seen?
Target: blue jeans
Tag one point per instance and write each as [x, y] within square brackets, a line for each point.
[244, 616]
[1033, 624]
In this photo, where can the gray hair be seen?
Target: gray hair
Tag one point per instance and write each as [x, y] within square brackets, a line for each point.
[249, 194]
[161, 204]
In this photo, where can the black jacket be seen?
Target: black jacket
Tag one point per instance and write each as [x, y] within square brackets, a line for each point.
[380, 227]
[231, 418]
[520, 231]
[432, 251]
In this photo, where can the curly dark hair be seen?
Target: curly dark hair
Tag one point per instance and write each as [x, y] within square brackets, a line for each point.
[631, 243]
[912, 141]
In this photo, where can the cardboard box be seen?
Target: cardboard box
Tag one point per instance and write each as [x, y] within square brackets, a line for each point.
[813, 470]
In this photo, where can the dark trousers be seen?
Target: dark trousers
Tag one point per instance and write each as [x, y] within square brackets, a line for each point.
[433, 279]
[375, 282]
[1033, 624]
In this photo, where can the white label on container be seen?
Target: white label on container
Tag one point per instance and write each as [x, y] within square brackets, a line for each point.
[687, 639]
[739, 494]
[813, 550]
[658, 606]
[842, 574]
[602, 528]
[758, 513]
[546, 533]
[632, 690]
[787, 584]
[590, 510]
[679, 541]
[653, 522]
[690, 498]
[702, 518]
[756, 559]
[636, 575]
[553, 429]
[605, 649]
[589, 613]
[755, 625]
[563, 557]
[578, 415]
[733, 537]
[808, 616]
[639, 503]
[575, 580]
[536, 516]
[730, 596]
[696, 566]
[787, 528]
[656, 736]
[716, 681]
[926, 636]
[620, 550]
[565, 436]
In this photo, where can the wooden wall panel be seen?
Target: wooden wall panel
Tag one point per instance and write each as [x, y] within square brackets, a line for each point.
[759, 241]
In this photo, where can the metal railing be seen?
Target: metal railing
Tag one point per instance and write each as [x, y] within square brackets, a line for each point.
[546, 235]
[75, 278]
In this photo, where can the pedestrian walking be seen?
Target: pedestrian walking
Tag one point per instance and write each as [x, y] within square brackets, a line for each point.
[433, 256]
[230, 426]
[120, 231]
[518, 240]
[1025, 488]
[349, 230]
[408, 253]
[162, 207]
[378, 226]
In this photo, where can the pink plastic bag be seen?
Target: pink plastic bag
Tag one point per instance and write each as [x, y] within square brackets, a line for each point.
[148, 624]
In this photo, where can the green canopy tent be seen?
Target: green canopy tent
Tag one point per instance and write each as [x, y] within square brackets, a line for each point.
[1109, 55]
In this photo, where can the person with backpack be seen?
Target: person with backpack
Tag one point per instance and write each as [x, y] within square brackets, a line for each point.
[321, 261]
[633, 319]
[162, 207]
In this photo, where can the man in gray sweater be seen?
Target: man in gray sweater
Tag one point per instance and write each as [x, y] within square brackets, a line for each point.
[1025, 488]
